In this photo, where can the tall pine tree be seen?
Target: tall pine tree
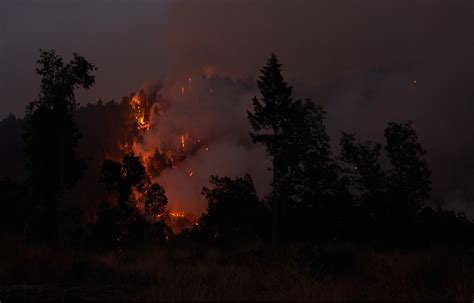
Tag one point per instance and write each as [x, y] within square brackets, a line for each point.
[273, 125]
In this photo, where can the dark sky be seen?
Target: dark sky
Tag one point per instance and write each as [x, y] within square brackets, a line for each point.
[121, 38]
[137, 41]
[359, 58]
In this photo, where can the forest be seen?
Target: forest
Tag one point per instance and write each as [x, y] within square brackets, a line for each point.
[84, 215]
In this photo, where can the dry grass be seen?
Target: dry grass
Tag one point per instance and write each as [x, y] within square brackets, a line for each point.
[251, 273]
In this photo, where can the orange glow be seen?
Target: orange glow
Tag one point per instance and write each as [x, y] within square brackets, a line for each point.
[138, 112]
[177, 214]
[184, 138]
[172, 154]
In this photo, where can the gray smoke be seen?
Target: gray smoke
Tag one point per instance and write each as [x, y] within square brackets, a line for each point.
[368, 62]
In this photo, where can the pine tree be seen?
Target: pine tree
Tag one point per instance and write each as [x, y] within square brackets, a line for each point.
[272, 122]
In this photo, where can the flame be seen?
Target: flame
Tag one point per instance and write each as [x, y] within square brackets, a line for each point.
[138, 112]
[184, 138]
[177, 214]
[174, 152]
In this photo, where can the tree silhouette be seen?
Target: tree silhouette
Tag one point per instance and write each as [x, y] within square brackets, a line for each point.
[390, 200]
[234, 209]
[367, 181]
[316, 170]
[124, 224]
[50, 133]
[12, 158]
[321, 197]
[409, 181]
[410, 175]
[364, 169]
[123, 176]
[156, 202]
[273, 127]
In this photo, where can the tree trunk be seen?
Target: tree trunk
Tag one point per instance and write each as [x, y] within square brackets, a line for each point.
[275, 201]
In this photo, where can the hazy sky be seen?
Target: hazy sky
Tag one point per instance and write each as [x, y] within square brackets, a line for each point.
[121, 37]
[134, 41]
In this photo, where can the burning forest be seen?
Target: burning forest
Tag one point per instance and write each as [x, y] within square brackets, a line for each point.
[294, 151]
[175, 133]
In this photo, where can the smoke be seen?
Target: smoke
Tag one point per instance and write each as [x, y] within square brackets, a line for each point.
[213, 112]
[368, 62]
[360, 59]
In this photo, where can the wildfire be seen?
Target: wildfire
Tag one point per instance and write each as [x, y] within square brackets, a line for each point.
[176, 214]
[184, 138]
[138, 111]
[166, 156]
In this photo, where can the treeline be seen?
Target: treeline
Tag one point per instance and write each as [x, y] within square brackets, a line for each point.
[371, 193]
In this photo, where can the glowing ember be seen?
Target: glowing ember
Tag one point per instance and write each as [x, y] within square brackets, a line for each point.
[184, 138]
[177, 214]
[138, 112]
[182, 141]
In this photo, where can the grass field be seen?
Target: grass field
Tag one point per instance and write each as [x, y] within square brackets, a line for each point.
[252, 272]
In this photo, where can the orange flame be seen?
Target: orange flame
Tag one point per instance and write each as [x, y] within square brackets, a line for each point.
[139, 113]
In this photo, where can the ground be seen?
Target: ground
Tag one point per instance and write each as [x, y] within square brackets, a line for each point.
[175, 272]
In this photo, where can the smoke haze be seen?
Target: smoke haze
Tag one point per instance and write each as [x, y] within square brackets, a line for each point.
[368, 62]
